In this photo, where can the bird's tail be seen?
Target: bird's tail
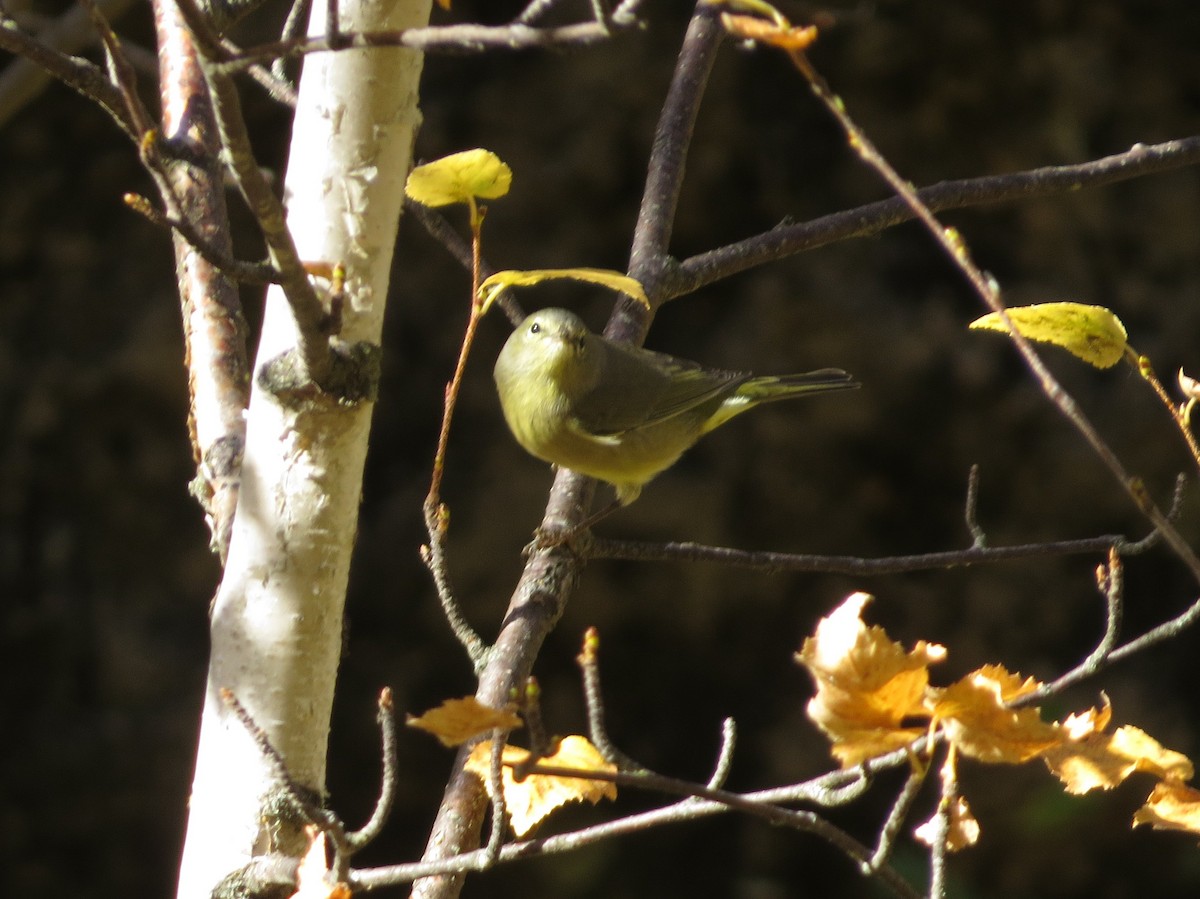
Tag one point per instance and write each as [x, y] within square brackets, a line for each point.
[767, 389]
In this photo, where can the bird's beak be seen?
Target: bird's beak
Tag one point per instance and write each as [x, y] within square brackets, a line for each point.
[571, 338]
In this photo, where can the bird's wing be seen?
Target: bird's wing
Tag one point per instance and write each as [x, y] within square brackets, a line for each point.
[639, 387]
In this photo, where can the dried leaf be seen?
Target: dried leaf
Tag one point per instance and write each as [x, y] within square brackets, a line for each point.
[975, 718]
[751, 28]
[1093, 760]
[457, 720]
[603, 277]
[1092, 333]
[314, 877]
[532, 799]
[962, 833]
[867, 684]
[1171, 806]
[458, 178]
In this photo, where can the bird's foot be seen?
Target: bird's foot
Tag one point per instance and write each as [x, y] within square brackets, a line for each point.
[576, 539]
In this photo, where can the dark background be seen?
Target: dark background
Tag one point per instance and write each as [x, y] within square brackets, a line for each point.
[104, 568]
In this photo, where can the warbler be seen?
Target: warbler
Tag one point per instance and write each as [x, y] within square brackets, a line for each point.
[620, 413]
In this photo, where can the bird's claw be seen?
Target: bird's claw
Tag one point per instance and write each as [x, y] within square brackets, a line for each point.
[576, 540]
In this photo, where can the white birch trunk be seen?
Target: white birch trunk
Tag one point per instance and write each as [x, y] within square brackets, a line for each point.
[277, 618]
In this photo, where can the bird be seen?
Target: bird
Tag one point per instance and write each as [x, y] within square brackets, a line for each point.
[619, 413]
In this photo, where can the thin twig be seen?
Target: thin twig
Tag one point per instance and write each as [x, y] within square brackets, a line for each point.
[437, 515]
[293, 28]
[386, 716]
[649, 256]
[970, 512]
[589, 666]
[495, 841]
[897, 815]
[443, 232]
[214, 327]
[1181, 421]
[433, 554]
[725, 757]
[796, 819]
[763, 560]
[238, 269]
[23, 79]
[450, 39]
[788, 239]
[312, 812]
[83, 77]
[309, 313]
[828, 790]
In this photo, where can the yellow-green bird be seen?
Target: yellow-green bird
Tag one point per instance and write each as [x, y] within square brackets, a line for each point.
[619, 413]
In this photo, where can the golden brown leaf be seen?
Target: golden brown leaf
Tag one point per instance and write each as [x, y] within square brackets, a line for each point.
[457, 720]
[867, 684]
[974, 716]
[963, 831]
[530, 800]
[1090, 759]
[1171, 806]
[314, 878]
[752, 28]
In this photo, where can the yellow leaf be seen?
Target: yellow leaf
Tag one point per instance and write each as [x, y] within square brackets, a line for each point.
[974, 716]
[963, 830]
[1171, 806]
[1094, 760]
[492, 286]
[457, 720]
[1093, 333]
[314, 877]
[867, 684]
[530, 800]
[458, 178]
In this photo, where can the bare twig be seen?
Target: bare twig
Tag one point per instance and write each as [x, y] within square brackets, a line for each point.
[23, 79]
[649, 257]
[939, 838]
[589, 666]
[213, 326]
[804, 821]
[356, 840]
[83, 77]
[433, 554]
[898, 814]
[970, 512]
[725, 756]
[443, 232]
[762, 560]
[864, 221]
[437, 516]
[828, 790]
[237, 269]
[451, 39]
[1177, 415]
[495, 841]
[301, 797]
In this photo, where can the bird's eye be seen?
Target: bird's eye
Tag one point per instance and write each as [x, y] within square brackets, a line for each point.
[535, 328]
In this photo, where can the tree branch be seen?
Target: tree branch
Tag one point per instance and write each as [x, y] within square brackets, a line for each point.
[551, 573]
[788, 239]
[762, 560]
